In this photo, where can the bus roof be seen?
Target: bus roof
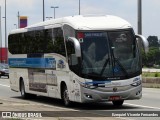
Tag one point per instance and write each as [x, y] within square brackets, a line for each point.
[81, 22]
[97, 22]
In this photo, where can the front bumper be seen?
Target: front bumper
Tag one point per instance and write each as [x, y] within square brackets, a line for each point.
[95, 95]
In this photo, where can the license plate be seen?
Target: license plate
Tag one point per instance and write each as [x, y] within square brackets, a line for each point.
[112, 98]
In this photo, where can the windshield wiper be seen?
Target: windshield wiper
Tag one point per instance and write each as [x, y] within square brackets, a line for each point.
[104, 66]
[121, 66]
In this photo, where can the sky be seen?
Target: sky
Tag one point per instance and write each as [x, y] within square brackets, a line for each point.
[126, 9]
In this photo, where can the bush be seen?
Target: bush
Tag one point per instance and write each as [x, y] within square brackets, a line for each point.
[156, 75]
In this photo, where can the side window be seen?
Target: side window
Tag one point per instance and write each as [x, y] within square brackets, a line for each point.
[11, 44]
[48, 42]
[14, 43]
[22, 44]
[39, 42]
[34, 41]
[58, 41]
[29, 38]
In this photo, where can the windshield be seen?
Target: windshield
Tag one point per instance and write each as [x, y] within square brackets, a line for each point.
[109, 55]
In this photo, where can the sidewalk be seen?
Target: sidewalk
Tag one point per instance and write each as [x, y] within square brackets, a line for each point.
[25, 107]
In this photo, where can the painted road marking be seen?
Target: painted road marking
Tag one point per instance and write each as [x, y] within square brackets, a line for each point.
[142, 106]
[4, 85]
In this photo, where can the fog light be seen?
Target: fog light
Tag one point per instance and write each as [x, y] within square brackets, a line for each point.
[138, 92]
[88, 96]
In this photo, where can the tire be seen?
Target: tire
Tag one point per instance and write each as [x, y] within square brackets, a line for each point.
[24, 95]
[65, 97]
[118, 102]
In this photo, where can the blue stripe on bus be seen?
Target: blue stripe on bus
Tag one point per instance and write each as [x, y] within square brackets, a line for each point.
[32, 62]
[98, 82]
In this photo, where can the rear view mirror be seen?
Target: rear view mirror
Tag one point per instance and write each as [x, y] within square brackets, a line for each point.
[73, 60]
[144, 41]
[76, 46]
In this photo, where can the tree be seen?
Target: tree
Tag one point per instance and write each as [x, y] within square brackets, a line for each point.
[153, 56]
[153, 41]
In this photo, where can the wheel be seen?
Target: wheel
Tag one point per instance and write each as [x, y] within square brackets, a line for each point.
[65, 97]
[118, 102]
[22, 90]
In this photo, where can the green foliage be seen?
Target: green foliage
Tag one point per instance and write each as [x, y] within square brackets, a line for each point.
[153, 56]
[156, 75]
[153, 41]
[150, 74]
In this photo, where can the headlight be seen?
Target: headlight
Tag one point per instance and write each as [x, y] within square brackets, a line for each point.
[88, 85]
[137, 83]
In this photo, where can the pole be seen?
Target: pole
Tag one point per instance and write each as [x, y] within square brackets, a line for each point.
[18, 20]
[140, 26]
[54, 13]
[54, 10]
[140, 17]
[79, 7]
[5, 26]
[43, 12]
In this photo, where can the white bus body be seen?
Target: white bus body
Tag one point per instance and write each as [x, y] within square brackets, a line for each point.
[80, 58]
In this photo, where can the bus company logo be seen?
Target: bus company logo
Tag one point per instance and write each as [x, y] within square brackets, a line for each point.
[61, 64]
[51, 63]
[116, 69]
[115, 89]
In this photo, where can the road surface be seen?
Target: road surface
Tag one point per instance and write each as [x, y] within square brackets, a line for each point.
[149, 102]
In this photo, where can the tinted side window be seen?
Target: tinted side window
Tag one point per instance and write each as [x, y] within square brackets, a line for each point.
[23, 44]
[11, 43]
[38, 41]
[29, 38]
[48, 41]
[58, 41]
[15, 44]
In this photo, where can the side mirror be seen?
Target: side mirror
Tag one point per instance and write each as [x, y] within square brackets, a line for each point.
[73, 60]
[76, 46]
[144, 41]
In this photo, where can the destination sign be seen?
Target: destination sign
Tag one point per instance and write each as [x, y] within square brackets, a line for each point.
[94, 34]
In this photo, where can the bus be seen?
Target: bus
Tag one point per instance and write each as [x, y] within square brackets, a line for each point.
[79, 58]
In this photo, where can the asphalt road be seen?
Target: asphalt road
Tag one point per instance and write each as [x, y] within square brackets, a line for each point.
[149, 102]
